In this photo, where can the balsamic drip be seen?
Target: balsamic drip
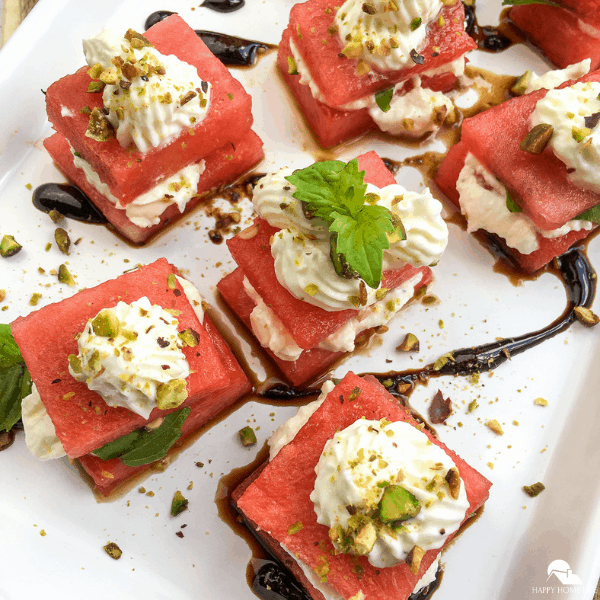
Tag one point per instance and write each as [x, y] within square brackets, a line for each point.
[273, 582]
[157, 17]
[281, 391]
[68, 200]
[426, 592]
[486, 37]
[231, 50]
[223, 6]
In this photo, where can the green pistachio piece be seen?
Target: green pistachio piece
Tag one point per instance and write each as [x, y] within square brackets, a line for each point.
[62, 240]
[171, 394]
[106, 324]
[580, 133]
[397, 504]
[9, 246]
[521, 85]
[247, 436]
[534, 490]
[99, 127]
[75, 364]
[35, 297]
[537, 139]
[95, 87]
[189, 337]
[64, 275]
[95, 70]
[94, 363]
[585, 316]
[179, 503]
[292, 66]
[113, 551]
[410, 343]
[55, 216]
[415, 24]
[171, 281]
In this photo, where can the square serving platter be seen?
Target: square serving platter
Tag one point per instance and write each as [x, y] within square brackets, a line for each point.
[51, 526]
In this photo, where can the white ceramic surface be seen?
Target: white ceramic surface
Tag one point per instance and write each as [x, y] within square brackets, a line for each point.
[504, 556]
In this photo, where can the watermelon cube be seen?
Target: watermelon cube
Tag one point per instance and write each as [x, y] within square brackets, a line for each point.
[307, 324]
[221, 167]
[309, 30]
[109, 474]
[127, 172]
[291, 476]
[565, 35]
[82, 419]
[537, 182]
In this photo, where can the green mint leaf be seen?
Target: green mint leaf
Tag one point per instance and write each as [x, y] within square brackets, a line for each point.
[362, 239]
[9, 351]
[119, 446]
[511, 204]
[384, 98]
[15, 382]
[591, 214]
[527, 2]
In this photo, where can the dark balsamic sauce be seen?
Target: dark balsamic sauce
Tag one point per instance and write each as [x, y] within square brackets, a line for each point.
[223, 6]
[157, 17]
[233, 51]
[274, 582]
[282, 391]
[492, 39]
[68, 200]
[426, 592]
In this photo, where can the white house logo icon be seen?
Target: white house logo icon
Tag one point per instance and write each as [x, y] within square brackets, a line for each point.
[563, 572]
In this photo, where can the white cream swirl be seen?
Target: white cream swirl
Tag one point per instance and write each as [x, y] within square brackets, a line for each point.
[552, 79]
[577, 146]
[156, 107]
[127, 370]
[383, 32]
[359, 462]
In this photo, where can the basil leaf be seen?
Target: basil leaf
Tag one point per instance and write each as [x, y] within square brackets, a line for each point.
[15, 381]
[527, 2]
[384, 98]
[119, 446]
[511, 204]
[591, 214]
[9, 351]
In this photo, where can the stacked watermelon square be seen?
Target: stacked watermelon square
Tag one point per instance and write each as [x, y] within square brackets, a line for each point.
[223, 140]
[277, 497]
[311, 31]
[538, 183]
[82, 420]
[307, 324]
[566, 34]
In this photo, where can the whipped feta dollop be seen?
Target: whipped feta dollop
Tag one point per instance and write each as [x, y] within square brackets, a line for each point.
[151, 97]
[356, 467]
[301, 249]
[146, 209]
[552, 79]
[132, 368]
[574, 113]
[483, 203]
[384, 32]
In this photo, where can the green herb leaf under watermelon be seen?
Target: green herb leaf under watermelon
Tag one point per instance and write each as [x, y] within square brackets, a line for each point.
[143, 447]
[527, 2]
[591, 214]
[384, 98]
[512, 205]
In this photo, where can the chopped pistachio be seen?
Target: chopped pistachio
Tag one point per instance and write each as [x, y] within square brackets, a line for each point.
[172, 394]
[311, 289]
[106, 324]
[48, 247]
[64, 275]
[537, 139]
[295, 528]
[9, 246]
[369, 9]
[440, 363]
[2, 295]
[55, 216]
[362, 68]
[171, 281]
[521, 85]
[365, 539]
[586, 317]
[113, 550]
[179, 504]
[99, 127]
[397, 504]
[189, 337]
[95, 87]
[580, 133]
[540, 402]
[495, 426]
[352, 50]
[292, 66]
[410, 343]
[414, 558]
[535, 489]
[109, 76]
[416, 23]
[453, 479]
[247, 436]
[63, 241]
[75, 363]
[35, 297]
[473, 405]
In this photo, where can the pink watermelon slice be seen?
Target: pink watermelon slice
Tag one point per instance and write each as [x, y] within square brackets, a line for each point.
[564, 36]
[223, 166]
[129, 173]
[291, 475]
[336, 76]
[446, 178]
[108, 474]
[82, 419]
[538, 183]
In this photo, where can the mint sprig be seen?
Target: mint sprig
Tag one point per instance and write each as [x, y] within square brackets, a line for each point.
[527, 2]
[511, 204]
[15, 382]
[335, 192]
[384, 98]
[591, 214]
[143, 447]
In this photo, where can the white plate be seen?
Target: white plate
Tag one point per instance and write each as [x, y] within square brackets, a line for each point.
[505, 555]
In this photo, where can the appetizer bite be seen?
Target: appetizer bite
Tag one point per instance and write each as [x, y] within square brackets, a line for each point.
[154, 124]
[364, 65]
[526, 171]
[336, 251]
[371, 497]
[135, 365]
[566, 31]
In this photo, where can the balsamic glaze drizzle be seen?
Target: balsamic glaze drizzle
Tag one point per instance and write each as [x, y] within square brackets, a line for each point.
[157, 17]
[274, 582]
[486, 37]
[68, 200]
[223, 6]
[231, 50]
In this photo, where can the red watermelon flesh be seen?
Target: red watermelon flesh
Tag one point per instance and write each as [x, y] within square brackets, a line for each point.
[446, 178]
[129, 173]
[332, 126]
[538, 183]
[254, 257]
[291, 475]
[108, 474]
[336, 77]
[558, 32]
[222, 167]
[587, 10]
[84, 422]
